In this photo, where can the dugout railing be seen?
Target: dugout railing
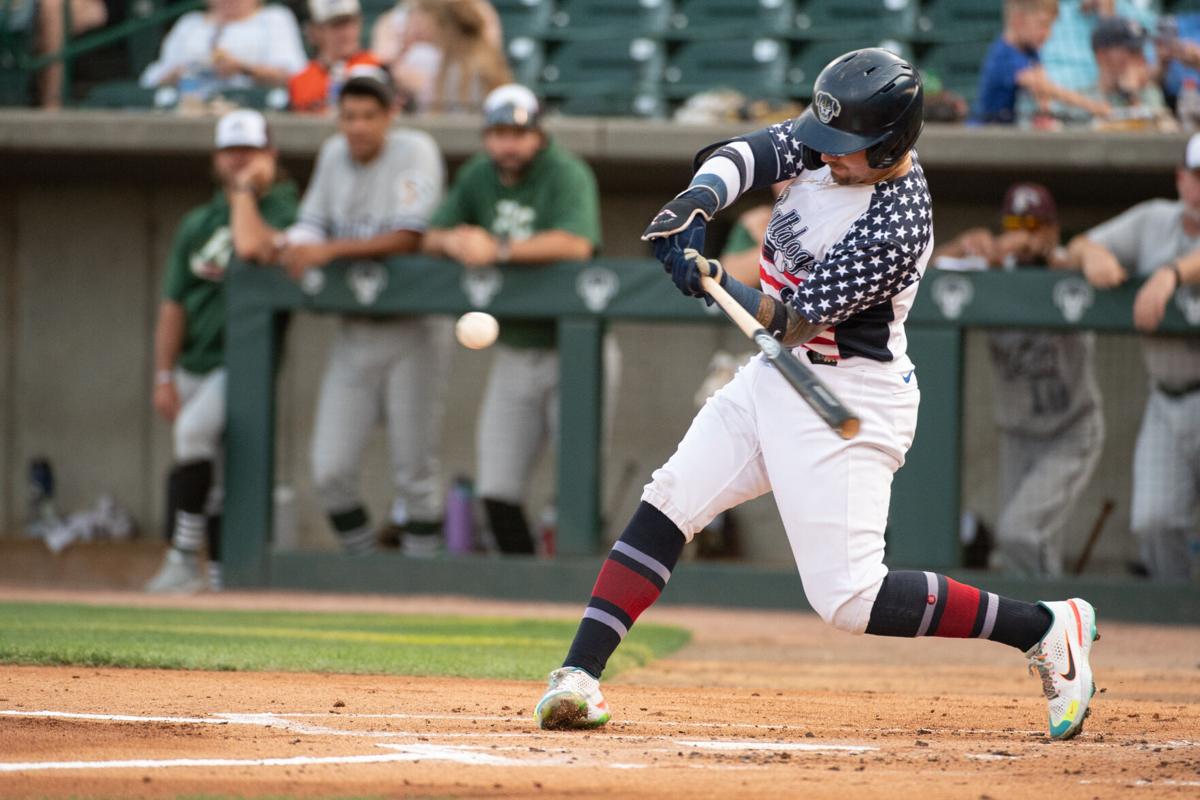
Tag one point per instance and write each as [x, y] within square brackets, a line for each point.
[583, 298]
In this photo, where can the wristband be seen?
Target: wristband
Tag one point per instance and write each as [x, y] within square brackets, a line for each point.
[163, 377]
[1174, 267]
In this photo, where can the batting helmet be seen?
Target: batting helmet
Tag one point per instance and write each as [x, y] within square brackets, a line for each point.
[868, 99]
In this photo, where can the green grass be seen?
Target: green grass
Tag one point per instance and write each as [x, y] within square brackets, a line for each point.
[472, 647]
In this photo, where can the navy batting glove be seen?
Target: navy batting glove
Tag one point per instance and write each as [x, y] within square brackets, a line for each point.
[683, 220]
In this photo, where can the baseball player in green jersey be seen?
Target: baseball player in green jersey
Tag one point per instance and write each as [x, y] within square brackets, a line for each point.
[189, 359]
[523, 201]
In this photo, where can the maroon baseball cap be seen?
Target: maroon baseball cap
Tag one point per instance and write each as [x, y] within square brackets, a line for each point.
[1028, 205]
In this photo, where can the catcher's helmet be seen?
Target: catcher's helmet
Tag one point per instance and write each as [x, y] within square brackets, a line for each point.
[867, 99]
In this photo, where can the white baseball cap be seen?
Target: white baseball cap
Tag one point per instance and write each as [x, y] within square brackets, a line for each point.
[511, 105]
[325, 10]
[1191, 157]
[242, 128]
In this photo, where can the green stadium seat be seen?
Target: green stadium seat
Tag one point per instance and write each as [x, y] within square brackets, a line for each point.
[956, 64]
[120, 94]
[612, 65]
[615, 103]
[847, 19]
[609, 19]
[755, 67]
[959, 21]
[808, 59]
[695, 19]
[526, 57]
[524, 17]
[17, 44]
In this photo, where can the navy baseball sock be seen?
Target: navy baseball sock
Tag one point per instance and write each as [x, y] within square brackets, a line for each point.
[928, 604]
[632, 578]
[509, 526]
[189, 485]
[353, 530]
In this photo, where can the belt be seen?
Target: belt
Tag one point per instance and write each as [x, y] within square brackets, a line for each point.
[1176, 392]
[816, 358]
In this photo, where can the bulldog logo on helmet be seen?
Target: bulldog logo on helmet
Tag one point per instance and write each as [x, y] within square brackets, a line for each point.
[827, 106]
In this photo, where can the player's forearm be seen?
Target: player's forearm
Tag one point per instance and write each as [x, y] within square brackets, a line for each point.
[433, 242]
[168, 335]
[550, 246]
[743, 266]
[1188, 268]
[253, 238]
[778, 318]
[387, 244]
[1077, 250]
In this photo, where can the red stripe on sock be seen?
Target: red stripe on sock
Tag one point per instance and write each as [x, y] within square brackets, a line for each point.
[624, 588]
[962, 606]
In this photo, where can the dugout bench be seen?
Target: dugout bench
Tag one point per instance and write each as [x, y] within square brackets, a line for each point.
[924, 521]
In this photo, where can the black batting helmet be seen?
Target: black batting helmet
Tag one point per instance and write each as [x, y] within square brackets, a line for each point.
[868, 99]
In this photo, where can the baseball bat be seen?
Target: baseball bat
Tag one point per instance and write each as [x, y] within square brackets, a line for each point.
[1086, 555]
[827, 405]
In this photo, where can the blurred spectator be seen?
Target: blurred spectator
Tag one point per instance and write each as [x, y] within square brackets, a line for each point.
[189, 364]
[235, 43]
[445, 55]
[1177, 45]
[1125, 79]
[1067, 54]
[1158, 239]
[523, 201]
[335, 29]
[405, 42]
[1012, 71]
[86, 15]
[744, 245]
[1047, 403]
[372, 192]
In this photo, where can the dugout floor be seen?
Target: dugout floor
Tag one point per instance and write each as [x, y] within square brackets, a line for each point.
[761, 704]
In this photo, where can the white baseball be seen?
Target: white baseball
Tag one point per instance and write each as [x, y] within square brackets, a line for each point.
[476, 330]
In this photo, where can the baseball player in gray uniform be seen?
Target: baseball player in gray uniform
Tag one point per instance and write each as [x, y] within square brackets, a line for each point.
[1046, 399]
[1160, 239]
[846, 245]
[371, 195]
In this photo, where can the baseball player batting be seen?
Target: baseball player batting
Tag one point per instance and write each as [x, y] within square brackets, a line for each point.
[846, 244]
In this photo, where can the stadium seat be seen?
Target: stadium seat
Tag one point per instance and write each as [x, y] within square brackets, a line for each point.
[609, 19]
[755, 67]
[16, 49]
[959, 21]
[120, 94]
[695, 19]
[526, 57]
[611, 104]
[846, 19]
[957, 65]
[624, 65]
[523, 17]
[810, 58]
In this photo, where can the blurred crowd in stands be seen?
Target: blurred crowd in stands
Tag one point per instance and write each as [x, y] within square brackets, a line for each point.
[1050, 63]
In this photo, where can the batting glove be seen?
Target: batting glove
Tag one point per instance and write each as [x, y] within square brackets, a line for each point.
[686, 268]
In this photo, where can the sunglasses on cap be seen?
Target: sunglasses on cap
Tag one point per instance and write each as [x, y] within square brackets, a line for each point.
[1022, 222]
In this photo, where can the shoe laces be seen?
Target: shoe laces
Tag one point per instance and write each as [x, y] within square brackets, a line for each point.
[1039, 663]
[574, 679]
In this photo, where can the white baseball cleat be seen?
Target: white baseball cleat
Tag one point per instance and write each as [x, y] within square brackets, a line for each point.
[573, 700]
[1061, 660]
[180, 573]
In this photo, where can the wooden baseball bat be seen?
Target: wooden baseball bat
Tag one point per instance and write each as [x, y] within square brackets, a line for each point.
[1097, 528]
[828, 407]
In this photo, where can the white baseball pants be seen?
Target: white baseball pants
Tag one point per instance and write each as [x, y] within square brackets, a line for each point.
[757, 435]
[394, 371]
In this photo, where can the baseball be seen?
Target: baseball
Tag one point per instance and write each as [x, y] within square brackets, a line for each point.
[476, 330]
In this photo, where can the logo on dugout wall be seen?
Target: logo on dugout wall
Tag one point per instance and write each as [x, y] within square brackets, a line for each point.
[952, 293]
[367, 281]
[1187, 300]
[313, 281]
[1073, 296]
[597, 286]
[481, 286]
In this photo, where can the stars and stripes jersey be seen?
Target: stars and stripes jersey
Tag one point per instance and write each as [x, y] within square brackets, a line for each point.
[848, 257]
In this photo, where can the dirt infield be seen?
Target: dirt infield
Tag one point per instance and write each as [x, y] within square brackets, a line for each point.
[760, 704]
